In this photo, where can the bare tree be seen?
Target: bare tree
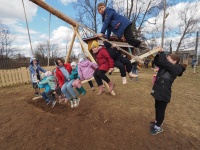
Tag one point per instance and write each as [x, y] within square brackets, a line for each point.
[186, 29]
[42, 49]
[6, 40]
[88, 13]
[139, 11]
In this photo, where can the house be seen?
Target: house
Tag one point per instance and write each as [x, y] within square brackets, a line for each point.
[186, 56]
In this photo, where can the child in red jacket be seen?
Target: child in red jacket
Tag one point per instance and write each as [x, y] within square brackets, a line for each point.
[105, 63]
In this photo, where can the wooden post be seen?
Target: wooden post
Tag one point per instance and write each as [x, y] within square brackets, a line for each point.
[20, 75]
[3, 81]
[71, 45]
[153, 51]
[83, 45]
[24, 74]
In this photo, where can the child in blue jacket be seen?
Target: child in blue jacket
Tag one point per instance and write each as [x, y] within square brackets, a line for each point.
[118, 24]
[50, 80]
[46, 89]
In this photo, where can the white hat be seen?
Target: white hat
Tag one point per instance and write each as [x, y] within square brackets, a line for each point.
[81, 55]
[73, 64]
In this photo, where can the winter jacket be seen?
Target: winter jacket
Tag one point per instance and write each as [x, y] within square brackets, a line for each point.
[50, 81]
[74, 74]
[104, 60]
[166, 75]
[86, 69]
[33, 71]
[45, 86]
[59, 74]
[113, 22]
[113, 51]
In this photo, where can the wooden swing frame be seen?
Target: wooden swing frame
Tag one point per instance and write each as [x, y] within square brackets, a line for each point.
[75, 25]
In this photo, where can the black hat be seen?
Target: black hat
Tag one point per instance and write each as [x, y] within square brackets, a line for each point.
[106, 44]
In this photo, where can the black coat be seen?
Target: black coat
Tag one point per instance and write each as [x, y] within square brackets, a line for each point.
[114, 53]
[166, 75]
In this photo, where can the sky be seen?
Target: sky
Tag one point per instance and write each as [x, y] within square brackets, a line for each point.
[12, 14]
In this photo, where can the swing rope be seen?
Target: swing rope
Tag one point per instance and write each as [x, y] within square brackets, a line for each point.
[27, 27]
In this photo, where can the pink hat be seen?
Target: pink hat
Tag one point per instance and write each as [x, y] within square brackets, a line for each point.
[48, 73]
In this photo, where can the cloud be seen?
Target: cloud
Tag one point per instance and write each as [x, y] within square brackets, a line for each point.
[66, 2]
[62, 34]
[137, 6]
[173, 20]
[14, 10]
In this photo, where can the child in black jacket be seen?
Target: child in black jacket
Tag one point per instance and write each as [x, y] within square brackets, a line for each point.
[169, 69]
[120, 61]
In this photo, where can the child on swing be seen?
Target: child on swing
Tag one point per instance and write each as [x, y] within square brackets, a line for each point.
[119, 25]
[120, 61]
[50, 80]
[77, 82]
[106, 63]
[86, 69]
[58, 89]
[169, 69]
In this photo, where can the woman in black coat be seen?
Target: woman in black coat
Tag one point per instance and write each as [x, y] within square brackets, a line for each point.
[169, 69]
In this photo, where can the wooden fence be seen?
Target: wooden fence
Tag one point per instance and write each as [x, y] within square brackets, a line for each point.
[17, 76]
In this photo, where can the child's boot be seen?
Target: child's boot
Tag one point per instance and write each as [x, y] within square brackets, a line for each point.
[79, 91]
[124, 80]
[100, 90]
[83, 90]
[133, 75]
[111, 86]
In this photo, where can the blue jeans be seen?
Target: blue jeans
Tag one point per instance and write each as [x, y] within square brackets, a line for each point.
[45, 97]
[135, 71]
[68, 90]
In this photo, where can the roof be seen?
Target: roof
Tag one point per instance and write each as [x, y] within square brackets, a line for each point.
[190, 52]
[112, 39]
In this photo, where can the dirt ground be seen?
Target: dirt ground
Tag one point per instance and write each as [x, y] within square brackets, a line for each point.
[102, 122]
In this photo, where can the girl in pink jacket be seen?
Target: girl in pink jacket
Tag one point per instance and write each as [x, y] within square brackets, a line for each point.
[86, 68]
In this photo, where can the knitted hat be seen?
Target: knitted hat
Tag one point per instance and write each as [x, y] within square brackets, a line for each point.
[106, 44]
[48, 73]
[95, 44]
[73, 64]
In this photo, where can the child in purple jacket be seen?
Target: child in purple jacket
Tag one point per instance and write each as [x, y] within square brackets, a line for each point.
[86, 68]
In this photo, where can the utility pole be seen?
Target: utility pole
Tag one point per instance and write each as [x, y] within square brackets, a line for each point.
[163, 27]
[196, 52]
